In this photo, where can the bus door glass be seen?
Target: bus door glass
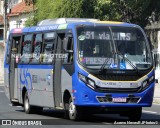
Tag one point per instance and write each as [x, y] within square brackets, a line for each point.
[15, 49]
[57, 69]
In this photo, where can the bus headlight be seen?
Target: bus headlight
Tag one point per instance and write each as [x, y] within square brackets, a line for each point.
[89, 82]
[147, 82]
[82, 78]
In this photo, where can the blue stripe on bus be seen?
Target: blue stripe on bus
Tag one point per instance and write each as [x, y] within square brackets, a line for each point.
[34, 66]
[6, 66]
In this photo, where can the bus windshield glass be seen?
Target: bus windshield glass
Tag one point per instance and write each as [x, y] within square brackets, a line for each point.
[110, 47]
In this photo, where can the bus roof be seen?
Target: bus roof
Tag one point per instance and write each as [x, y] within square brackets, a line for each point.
[64, 23]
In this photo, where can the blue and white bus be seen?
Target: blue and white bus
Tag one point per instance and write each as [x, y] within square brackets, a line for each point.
[81, 66]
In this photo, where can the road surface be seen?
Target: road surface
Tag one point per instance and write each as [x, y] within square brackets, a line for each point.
[54, 117]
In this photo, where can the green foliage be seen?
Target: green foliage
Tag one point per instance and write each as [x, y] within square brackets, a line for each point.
[31, 21]
[105, 10]
[135, 11]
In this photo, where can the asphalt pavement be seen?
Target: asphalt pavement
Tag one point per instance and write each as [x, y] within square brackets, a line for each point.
[7, 111]
[157, 94]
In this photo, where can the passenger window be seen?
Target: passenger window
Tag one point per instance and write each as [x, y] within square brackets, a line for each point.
[48, 47]
[26, 49]
[37, 46]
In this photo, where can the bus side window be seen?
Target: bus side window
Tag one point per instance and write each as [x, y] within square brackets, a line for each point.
[69, 48]
[37, 46]
[48, 47]
[26, 49]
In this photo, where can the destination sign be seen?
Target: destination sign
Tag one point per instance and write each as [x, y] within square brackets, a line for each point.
[102, 35]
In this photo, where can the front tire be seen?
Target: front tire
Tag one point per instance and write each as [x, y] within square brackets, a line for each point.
[72, 111]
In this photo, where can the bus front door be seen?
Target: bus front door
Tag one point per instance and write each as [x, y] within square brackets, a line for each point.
[13, 72]
[57, 72]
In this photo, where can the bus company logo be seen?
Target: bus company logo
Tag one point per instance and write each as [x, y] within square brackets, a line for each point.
[21, 122]
[25, 78]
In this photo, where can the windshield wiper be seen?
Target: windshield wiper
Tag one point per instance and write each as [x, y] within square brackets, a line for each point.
[129, 61]
[104, 64]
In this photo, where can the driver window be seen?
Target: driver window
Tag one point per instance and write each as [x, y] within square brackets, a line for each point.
[69, 56]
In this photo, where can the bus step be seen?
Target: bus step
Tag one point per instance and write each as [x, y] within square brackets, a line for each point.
[14, 100]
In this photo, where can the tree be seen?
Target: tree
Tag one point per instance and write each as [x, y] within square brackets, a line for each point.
[135, 11]
[62, 8]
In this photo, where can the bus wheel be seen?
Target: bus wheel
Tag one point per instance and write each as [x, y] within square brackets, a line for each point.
[73, 111]
[27, 107]
[135, 114]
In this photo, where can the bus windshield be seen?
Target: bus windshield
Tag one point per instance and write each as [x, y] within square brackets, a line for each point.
[112, 46]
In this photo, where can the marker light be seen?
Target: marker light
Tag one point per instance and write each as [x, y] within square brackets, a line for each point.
[147, 82]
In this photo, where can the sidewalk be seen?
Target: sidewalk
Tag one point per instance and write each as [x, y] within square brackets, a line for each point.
[157, 94]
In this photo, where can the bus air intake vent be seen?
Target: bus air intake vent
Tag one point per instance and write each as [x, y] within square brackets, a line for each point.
[114, 77]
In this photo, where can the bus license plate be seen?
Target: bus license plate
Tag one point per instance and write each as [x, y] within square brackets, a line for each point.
[119, 100]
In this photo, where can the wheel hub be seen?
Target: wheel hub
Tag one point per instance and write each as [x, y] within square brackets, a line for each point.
[27, 104]
[72, 109]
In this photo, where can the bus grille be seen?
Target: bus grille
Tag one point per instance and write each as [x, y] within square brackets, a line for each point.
[114, 77]
[109, 99]
[118, 90]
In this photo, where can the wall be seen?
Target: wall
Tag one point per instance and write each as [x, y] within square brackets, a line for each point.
[1, 63]
[1, 7]
[158, 39]
[1, 46]
[13, 21]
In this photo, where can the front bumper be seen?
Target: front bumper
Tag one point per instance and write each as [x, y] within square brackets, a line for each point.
[84, 96]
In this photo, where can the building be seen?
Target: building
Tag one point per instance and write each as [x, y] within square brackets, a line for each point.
[18, 13]
[1, 22]
[153, 31]
[1, 40]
